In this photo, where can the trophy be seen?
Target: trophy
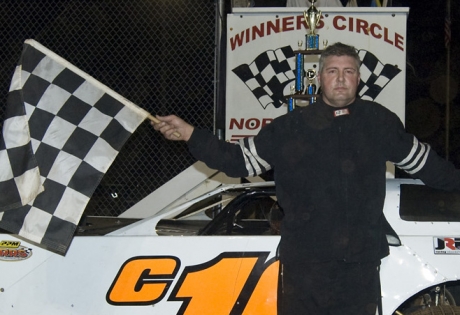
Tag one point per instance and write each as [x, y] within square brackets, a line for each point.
[291, 101]
[312, 18]
[299, 70]
[311, 87]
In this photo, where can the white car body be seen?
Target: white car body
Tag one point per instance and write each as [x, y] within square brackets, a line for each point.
[134, 271]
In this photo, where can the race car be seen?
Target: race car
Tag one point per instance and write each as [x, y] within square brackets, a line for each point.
[217, 254]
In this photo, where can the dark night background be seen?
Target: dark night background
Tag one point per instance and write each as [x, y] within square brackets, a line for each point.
[426, 76]
[160, 55]
[426, 65]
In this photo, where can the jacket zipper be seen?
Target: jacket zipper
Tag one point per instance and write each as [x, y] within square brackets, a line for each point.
[344, 183]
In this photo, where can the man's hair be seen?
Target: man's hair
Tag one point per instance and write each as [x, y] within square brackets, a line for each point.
[339, 49]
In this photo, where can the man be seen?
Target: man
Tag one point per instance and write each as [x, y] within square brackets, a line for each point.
[329, 162]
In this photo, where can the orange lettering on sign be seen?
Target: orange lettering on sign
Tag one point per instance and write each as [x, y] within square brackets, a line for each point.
[143, 280]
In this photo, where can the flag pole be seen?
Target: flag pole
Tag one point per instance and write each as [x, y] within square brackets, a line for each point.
[156, 121]
[447, 44]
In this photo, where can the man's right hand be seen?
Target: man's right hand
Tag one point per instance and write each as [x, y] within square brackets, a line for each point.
[173, 128]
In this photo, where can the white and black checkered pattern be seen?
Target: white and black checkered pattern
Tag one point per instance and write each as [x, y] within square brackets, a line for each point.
[374, 75]
[268, 75]
[77, 127]
[19, 174]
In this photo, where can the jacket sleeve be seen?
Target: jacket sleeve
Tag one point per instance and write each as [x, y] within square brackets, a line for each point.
[418, 159]
[235, 160]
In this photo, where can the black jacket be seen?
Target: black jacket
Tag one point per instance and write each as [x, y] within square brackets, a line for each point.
[329, 167]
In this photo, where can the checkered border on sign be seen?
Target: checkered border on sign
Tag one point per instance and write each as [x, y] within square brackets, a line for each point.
[374, 75]
[268, 75]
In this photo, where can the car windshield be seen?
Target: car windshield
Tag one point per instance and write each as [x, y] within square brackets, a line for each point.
[233, 212]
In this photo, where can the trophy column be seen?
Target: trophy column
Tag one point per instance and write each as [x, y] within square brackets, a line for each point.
[312, 17]
[301, 91]
[299, 70]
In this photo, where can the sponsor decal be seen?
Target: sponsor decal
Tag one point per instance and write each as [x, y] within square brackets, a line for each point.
[446, 245]
[14, 251]
[232, 283]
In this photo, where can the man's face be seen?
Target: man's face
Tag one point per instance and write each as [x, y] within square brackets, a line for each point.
[339, 80]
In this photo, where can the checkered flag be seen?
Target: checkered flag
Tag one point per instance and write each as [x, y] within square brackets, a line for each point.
[62, 131]
[374, 75]
[268, 75]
